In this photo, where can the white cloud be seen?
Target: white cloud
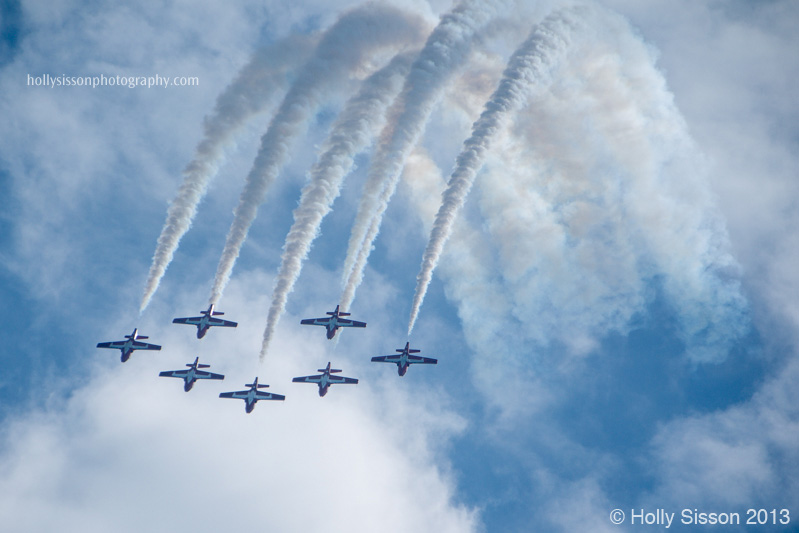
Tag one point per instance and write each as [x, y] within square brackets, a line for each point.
[131, 451]
[738, 457]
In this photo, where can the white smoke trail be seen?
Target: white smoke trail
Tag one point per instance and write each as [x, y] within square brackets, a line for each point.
[529, 65]
[256, 85]
[622, 179]
[354, 129]
[445, 50]
[599, 209]
[356, 36]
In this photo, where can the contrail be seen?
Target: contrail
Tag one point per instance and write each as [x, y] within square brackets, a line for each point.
[352, 132]
[345, 46]
[259, 82]
[445, 50]
[530, 64]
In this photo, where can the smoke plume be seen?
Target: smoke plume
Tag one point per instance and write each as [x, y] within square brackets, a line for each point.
[354, 129]
[353, 39]
[528, 66]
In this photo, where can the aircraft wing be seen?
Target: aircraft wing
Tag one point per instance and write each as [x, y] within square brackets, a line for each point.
[422, 360]
[174, 373]
[219, 322]
[308, 379]
[343, 381]
[145, 346]
[239, 394]
[386, 359]
[202, 374]
[193, 320]
[411, 359]
[119, 345]
[263, 395]
[136, 345]
[199, 374]
[316, 321]
[347, 323]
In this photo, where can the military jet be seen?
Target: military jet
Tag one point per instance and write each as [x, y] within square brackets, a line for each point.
[404, 359]
[192, 374]
[205, 321]
[130, 345]
[325, 379]
[333, 322]
[252, 395]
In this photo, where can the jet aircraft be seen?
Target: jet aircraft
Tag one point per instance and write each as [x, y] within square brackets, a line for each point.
[192, 374]
[252, 395]
[130, 345]
[205, 321]
[325, 379]
[333, 322]
[404, 359]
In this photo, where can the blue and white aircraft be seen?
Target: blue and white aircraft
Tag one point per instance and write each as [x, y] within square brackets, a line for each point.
[404, 359]
[206, 321]
[252, 395]
[192, 374]
[130, 345]
[333, 322]
[325, 379]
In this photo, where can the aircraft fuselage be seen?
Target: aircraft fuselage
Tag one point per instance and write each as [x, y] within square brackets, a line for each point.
[324, 384]
[250, 400]
[189, 380]
[403, 364]
[332, 328]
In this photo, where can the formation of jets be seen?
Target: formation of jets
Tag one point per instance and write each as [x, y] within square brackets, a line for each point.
[195, 371]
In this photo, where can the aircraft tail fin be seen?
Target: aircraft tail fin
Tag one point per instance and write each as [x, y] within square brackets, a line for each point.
[217, 313]
[203, 366]
[337, 312]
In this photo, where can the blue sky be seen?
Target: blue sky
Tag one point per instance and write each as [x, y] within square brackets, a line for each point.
[614, 316]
